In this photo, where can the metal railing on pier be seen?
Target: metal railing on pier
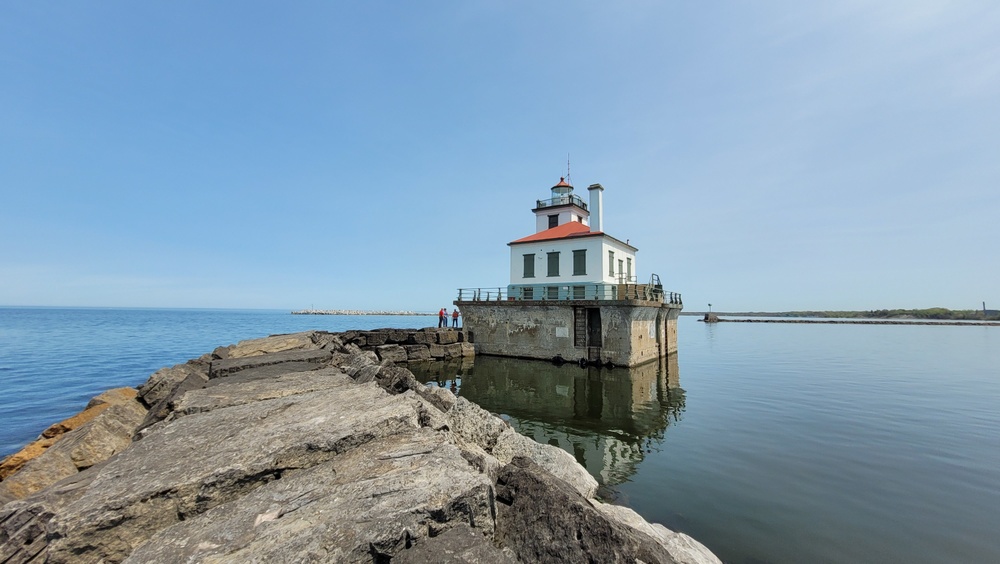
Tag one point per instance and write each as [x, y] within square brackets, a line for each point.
[482, 294]
[555, 292]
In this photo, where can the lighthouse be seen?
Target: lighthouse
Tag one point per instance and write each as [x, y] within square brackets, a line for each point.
[569, 256]
[574, 292]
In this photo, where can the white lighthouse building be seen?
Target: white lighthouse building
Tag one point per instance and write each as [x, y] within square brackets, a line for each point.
[574, 293]
[570, 256]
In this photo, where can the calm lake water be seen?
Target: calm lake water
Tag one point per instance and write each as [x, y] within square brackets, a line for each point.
[767, 442]
[784, 443]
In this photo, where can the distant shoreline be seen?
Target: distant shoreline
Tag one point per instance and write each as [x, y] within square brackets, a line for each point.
[357, 312]
[861, 322]
[925, 314]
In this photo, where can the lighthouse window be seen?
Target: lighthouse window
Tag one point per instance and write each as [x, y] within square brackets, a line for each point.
[579, 262]
[529, 266]
[553, 264]
[628, 268]
[553, 220]
[611, 263]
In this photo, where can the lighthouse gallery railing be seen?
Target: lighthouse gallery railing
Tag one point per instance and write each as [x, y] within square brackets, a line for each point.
[555, 292]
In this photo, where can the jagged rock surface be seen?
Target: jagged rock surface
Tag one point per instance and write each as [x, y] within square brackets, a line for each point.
[289, 455]
[107, 432]
[53, 433]
[543, 519]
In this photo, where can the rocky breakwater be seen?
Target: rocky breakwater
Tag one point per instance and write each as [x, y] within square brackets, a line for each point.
[309, 448]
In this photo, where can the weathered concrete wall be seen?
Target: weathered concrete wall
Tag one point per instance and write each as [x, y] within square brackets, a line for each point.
[629, 334]
[536, 330]
[670, 316]
[633, 331]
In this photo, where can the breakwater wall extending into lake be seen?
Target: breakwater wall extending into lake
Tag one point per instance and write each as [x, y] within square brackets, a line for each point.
[311, 446]
[357, 312]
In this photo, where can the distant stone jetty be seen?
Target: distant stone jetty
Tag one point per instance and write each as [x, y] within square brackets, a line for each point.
[356, 312]
[310, 447]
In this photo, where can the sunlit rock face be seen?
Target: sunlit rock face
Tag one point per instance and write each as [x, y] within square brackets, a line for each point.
[309, 448]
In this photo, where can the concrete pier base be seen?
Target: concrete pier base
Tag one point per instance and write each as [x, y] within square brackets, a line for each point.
[619, 332]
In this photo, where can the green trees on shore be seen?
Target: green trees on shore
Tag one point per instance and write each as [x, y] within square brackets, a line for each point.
[937, 313]
[929, 313]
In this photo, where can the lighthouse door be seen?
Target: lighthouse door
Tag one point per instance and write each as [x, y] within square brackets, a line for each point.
[587, 331]
[594, 327]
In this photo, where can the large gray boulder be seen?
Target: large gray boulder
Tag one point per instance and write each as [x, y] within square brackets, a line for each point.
[447, 337]
[392, 353]
[227, 392]
[225, 367]
[97, 440]
[23, 523]
[13, 463]
[542, 519]
[477, 426]
[417, 353]
[203, 460]
[164, 381]
[366, 503]
[682, 548]
[276, 344]
[460, 544]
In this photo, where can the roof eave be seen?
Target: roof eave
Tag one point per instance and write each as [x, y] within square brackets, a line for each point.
[575, 236]
[561, 238]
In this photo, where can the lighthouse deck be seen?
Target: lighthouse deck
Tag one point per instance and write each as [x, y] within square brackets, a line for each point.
[565, 292]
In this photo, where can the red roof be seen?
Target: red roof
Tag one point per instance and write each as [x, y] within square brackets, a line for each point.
[568, 230]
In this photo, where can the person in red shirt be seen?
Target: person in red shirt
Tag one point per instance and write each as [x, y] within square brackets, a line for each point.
[454, 318]
[443, 318]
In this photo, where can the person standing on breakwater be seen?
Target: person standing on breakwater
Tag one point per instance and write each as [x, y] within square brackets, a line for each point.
[443, 318]
[454, 318]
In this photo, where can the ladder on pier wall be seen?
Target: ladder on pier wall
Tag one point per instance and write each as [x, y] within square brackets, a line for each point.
[579, 326]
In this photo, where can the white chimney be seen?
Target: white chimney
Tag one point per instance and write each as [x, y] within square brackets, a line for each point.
[596, 207]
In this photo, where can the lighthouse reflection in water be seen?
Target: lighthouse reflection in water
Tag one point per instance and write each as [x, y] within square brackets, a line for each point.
[608, 419]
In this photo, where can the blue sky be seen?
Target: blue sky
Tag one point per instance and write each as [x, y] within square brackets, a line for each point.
[771, 155]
